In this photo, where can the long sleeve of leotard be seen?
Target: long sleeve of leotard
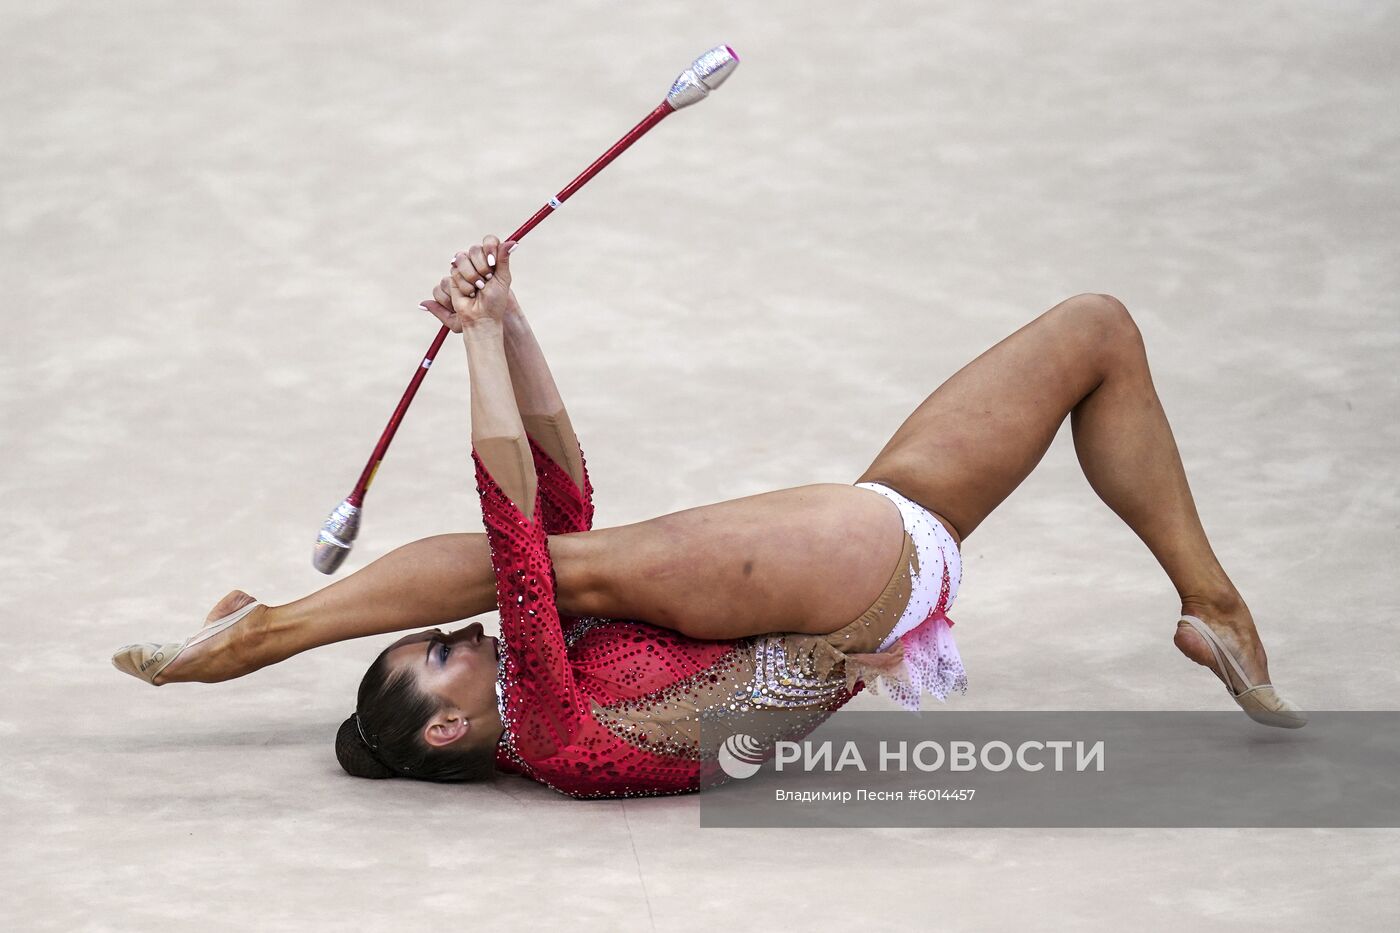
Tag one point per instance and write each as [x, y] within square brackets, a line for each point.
[563, 507]
[542, 707]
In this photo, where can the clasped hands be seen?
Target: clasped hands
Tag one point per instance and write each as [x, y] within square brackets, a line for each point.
[477, 289]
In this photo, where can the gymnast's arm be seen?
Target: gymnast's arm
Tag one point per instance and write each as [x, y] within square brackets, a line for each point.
[537, 397]
[479, 297]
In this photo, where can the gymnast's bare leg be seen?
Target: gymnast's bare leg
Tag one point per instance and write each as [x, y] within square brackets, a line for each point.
[982, 432]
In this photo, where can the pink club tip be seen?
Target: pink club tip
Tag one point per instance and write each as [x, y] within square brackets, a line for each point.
[733, 54]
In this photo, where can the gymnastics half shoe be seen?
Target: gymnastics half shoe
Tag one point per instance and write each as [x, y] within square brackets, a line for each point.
[146, 661]
[1262, 703]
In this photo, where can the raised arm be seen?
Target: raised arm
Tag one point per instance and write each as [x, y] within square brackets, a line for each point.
[542, 711]
[565, 493]
[480, 297]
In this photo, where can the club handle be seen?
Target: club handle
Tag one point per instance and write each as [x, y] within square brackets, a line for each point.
[357, 497]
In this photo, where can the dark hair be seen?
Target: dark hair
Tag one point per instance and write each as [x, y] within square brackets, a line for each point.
[383, 738]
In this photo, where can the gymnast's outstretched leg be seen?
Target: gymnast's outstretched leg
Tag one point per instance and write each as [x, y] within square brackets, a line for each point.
[431, 582]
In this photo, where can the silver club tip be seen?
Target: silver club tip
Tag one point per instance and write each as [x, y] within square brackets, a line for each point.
[337, 537]
[705, 74]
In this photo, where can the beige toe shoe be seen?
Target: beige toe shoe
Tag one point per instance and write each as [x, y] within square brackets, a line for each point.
[1261, 703]
[146, 661]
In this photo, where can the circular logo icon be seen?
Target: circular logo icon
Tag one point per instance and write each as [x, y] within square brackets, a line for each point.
[741, 755]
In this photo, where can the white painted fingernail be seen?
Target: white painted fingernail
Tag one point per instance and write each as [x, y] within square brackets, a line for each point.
[491, 259]
[490, 276]
[480, 283]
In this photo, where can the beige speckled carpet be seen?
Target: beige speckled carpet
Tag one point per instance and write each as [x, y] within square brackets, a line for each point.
[217, 221]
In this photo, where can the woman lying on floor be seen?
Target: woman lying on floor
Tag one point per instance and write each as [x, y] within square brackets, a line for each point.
[793, 600]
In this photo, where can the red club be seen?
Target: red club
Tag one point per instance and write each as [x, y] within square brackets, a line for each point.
[705, 74]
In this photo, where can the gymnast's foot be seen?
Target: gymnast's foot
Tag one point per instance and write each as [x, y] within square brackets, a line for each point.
[210, 655]
[1221, 636]
[1233, 624]
[214, 659]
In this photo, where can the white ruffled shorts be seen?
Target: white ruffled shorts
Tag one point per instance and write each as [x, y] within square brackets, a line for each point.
[931, 660]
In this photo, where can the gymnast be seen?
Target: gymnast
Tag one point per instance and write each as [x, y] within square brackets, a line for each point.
[615, 641]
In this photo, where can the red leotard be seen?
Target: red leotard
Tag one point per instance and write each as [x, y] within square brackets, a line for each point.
[560, 675]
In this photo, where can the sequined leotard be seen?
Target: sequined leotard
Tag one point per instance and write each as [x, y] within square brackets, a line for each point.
[608, 708]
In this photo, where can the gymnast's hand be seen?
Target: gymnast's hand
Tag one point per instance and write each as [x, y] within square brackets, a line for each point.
[478, 288]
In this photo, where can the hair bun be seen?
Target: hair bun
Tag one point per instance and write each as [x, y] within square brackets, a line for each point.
[355, 756]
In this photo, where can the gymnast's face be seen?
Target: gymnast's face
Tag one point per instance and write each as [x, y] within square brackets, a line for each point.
[459, 669]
